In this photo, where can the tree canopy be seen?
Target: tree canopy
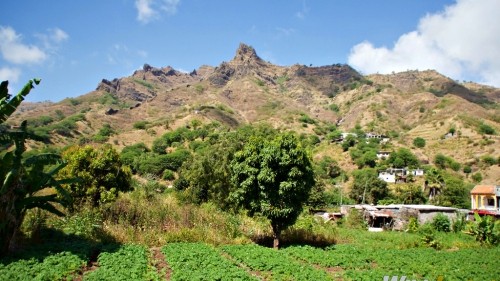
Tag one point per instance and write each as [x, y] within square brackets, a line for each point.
[273, 177]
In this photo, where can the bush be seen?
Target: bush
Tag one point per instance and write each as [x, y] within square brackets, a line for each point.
[100, 172]
[489, 160]
[168, 175]
[486, 129]
[140, 125]
[441, 223]
[419, 142]
[477, 177]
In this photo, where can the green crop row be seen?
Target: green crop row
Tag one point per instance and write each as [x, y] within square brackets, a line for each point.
[274, 265]
[54, 267]
[197, 261]
[354, 263]
[129, 262]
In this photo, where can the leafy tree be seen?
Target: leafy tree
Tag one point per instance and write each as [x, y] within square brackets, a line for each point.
[100, 171]
[456, 192]
[273, 177]
[403, 158]
[367, 187]
[485, 229]
[22, 179]
[419, 142]
[409, 194]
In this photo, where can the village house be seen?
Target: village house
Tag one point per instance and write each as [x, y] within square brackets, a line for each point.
[485, 199]
[395, 175]
[396, 216]
[383, 154]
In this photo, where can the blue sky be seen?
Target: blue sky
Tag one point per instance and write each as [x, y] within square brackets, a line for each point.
[72, 45]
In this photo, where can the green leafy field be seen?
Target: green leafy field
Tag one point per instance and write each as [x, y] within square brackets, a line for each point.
[198, 261]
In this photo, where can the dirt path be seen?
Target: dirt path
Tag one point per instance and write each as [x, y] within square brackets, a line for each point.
[160, 263]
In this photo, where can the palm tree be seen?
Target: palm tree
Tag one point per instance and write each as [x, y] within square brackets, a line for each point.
[434, 183]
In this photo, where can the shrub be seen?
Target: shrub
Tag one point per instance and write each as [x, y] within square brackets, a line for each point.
[168, 175]
[489, 160]
[100, 172]
[467, 169]
[486, 129]
[477, 177]
[140, 125]
[441, 223]
[419, 142]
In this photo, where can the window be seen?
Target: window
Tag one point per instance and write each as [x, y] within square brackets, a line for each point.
[490, 202]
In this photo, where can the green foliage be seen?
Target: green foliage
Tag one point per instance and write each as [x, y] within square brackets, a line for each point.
[349, 141]
[144, 83]
[196, 261]
[168, 175]
[467, 169]
[485, 229]
[275, 264]
[100, 172]
[477, 177]
[441, 223]
[130, 153]
[140, 125]
[409, 194]
[419, 142]
[333, 107]
[273, 177]
[304, 118]
[486, 129]
[355, 219]
[403, 158]
[365, 154]
[367, 187]
[489, 160]
[57, 266]
[161, 144]
[129, 262]
[441, 161]
[22, 179]
[456, 192]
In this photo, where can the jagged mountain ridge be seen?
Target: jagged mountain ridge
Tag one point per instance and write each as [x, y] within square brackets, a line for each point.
[248, 89]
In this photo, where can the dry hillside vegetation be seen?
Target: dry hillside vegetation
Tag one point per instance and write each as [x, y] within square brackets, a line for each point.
[249, 90]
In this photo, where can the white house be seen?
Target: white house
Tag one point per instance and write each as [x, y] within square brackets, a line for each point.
[383, 154]
[387, 176]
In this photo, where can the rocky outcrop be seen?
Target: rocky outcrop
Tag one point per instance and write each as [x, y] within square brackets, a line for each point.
[109, 86]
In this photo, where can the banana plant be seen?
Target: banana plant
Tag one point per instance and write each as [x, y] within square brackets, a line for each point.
[21, 180]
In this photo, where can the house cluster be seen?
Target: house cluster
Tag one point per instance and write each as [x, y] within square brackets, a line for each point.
[383, 138]
[395, 175]
[485, 200]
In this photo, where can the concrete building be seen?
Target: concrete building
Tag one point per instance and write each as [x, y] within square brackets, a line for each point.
[485, 199]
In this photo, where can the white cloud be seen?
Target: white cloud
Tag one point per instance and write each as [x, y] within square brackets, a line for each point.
[58, 35]
[170, 6]
[460, 42]
[149, 10]
[11, 74]
[145, 12]
[14, 51]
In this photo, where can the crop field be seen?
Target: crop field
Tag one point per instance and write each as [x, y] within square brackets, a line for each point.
[198, 261]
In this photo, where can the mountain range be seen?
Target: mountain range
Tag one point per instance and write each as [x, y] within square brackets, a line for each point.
[450, 115]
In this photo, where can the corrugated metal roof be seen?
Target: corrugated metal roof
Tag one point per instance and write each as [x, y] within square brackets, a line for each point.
[483, 189]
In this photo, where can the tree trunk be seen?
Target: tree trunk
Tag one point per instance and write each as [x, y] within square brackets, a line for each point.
[276, 237]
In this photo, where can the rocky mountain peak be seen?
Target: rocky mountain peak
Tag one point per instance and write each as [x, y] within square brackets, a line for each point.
[245, 54]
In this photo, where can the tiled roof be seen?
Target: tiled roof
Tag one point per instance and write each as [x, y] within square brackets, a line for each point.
[483, 189]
